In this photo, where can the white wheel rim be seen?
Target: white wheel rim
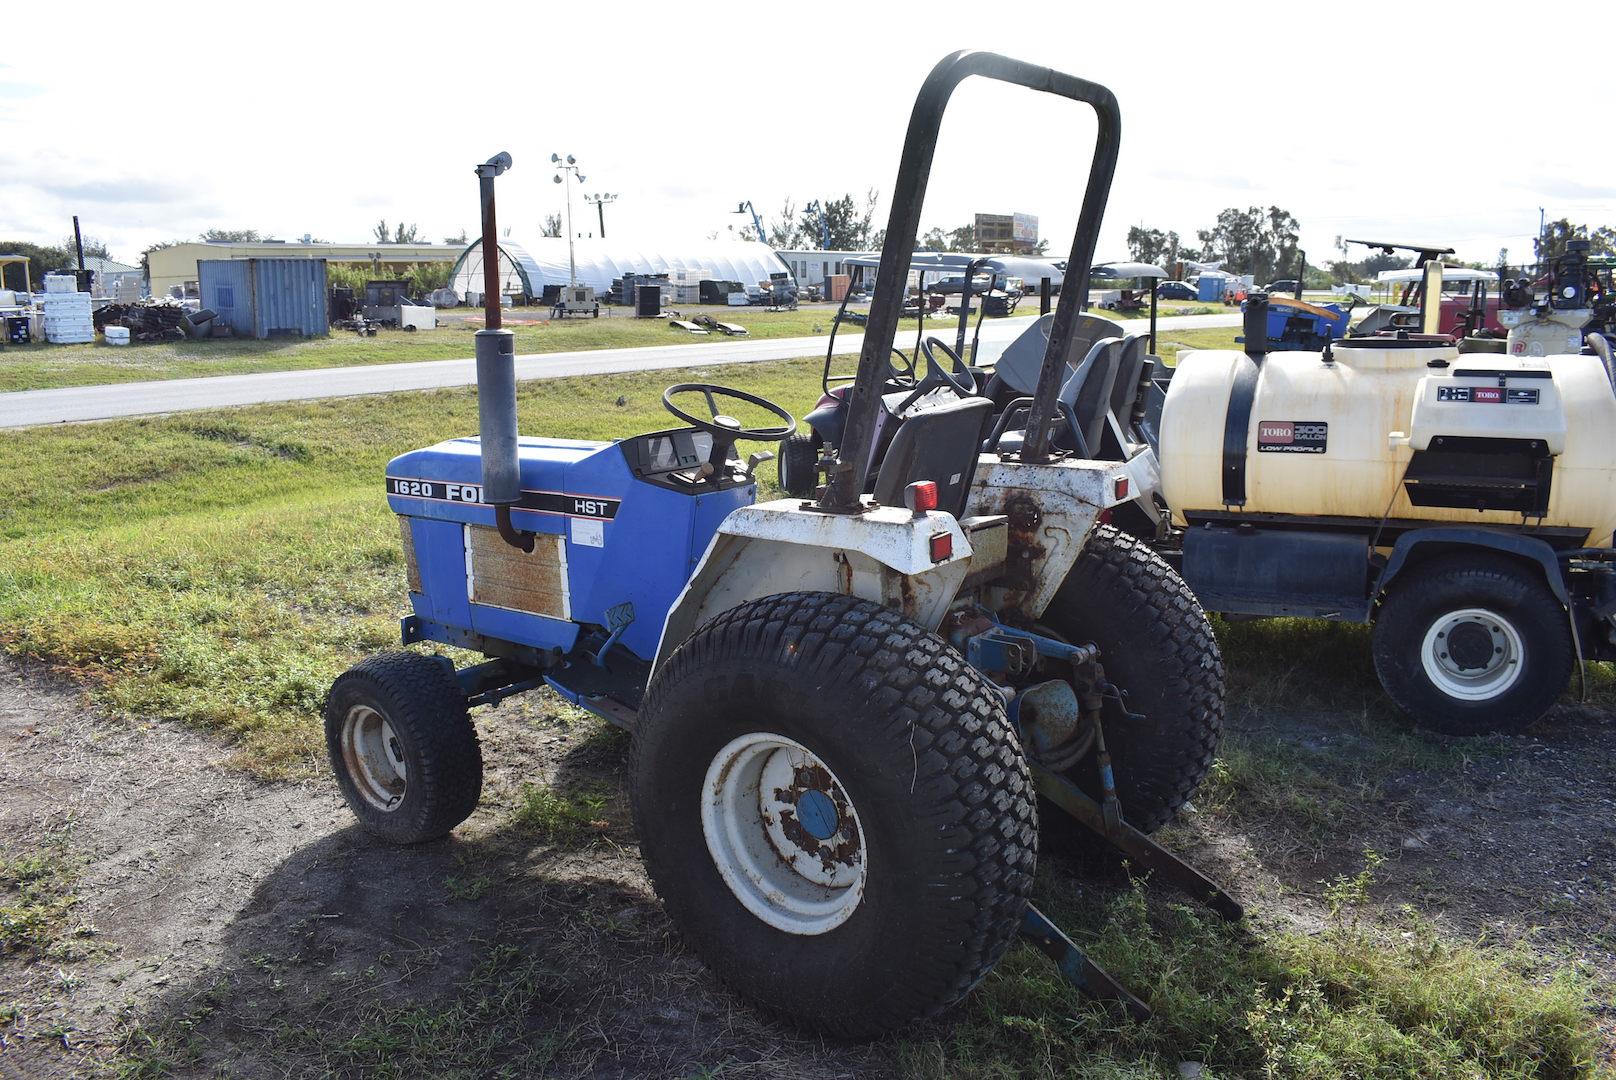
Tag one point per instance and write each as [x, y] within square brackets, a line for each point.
[1472, 654]
[374, 757]
[784, 834]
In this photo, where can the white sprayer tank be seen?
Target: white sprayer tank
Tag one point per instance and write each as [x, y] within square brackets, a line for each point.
[1336, 439]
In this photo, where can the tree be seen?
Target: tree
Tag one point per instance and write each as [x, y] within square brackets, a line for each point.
[401, 234]
[1252, 241]
[551, 226]
[1556, 234]
[841, 225]
[785, 232]
[41, 261]
[93, 246]
[233, 236]
[1156, 247]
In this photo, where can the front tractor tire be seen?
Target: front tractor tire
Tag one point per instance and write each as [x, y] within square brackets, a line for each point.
[1472, 644]
[1157, 645]
[835, 811]
[403, 747]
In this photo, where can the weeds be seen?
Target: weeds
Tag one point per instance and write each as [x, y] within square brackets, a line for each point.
[36, 896]
[562, 816]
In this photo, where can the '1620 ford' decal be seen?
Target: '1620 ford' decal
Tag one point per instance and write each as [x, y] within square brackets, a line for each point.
[1292, 436]
[543, 502]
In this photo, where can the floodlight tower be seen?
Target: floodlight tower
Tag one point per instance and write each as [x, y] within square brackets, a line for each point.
[600, 200]
[566, 165]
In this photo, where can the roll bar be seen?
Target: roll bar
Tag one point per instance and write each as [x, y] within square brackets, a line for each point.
[844, 489]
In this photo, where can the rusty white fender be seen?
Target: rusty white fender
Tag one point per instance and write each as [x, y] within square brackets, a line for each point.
[1051, 510]
[886, 555]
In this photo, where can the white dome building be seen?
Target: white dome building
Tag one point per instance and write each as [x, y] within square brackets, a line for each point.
[527, 267]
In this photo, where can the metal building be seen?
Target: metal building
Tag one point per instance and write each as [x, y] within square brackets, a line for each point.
[261, 298]
[529, 266]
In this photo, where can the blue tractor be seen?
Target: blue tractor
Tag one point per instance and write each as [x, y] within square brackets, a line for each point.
[849, 713]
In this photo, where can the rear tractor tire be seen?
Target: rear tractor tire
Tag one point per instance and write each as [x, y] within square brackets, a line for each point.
[403, 747]
[1473, 644]
[1156, 645]
[799, 465]
[835, 811]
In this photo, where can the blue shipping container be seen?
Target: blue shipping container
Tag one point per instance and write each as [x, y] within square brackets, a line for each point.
[262, 298]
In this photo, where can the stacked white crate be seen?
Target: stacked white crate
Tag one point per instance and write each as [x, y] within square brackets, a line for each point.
[67, 315]
[687, 285]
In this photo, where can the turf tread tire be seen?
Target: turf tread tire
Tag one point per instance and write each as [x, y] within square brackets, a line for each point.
[904, 722]
[799, 460]
[1157, 644]
[421, 700]
[1448, 583]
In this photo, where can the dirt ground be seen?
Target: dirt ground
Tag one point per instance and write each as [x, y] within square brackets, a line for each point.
[250, 929]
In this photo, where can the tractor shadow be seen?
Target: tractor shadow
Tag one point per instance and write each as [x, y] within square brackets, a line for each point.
[529, 941]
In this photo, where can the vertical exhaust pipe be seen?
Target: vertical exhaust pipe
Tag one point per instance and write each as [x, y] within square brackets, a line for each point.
[496, 376]
[1255, 325]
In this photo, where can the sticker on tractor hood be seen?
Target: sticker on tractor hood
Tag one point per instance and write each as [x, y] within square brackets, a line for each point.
[542, 502]
[1292, 436]
[1489, 395]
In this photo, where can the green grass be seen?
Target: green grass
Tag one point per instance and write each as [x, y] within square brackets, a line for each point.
[37, 897]
[33, 367]
[1170, 343]
[221, 569]
[1352, 1000]
[557, 816]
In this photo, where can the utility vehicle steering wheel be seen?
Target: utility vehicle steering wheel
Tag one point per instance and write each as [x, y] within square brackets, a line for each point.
[726, 430]
[960, 380]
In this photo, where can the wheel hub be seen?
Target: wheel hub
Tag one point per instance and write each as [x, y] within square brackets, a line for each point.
[1473, 654]
[374, 757]
[783, 834]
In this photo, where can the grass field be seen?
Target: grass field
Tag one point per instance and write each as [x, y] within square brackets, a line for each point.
[41, 366]
[220, 569]
[35, 367]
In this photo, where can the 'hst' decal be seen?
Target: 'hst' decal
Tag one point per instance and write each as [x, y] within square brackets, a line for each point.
[540, 502]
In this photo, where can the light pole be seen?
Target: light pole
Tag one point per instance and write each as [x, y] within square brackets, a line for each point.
[600, 201]
[569, 164]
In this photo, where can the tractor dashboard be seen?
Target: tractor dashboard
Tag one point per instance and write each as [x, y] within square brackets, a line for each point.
[678, 458]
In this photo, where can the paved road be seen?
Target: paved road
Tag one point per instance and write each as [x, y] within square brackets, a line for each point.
[74, 404]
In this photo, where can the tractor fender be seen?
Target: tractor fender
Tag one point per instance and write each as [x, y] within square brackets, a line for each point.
[911, 562]
[828, 421]
[1529, 548]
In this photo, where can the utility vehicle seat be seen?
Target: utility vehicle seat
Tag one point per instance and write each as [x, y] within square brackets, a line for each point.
[1121, 437]
[939, 443]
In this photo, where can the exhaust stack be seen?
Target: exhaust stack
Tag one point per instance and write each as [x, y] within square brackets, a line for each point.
[1255, 325]
[496, 376]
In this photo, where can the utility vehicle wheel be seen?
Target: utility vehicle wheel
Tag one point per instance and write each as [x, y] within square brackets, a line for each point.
[1472, 644]
[835, 811]
[799, 457]
[402, 746]
[1156, 644]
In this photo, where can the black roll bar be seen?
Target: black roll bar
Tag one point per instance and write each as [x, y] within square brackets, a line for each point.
[843, 491]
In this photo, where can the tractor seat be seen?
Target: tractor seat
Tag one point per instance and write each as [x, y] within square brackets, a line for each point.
[1016, 371]
[1120, 437]
[1084, 402]
[940, 444]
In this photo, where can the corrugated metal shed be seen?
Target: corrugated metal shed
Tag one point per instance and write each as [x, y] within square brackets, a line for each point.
[530, 266]
[263, 298]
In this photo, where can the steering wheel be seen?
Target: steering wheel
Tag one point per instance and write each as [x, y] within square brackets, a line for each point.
[960, 380]
[726, 430]
[904, 369]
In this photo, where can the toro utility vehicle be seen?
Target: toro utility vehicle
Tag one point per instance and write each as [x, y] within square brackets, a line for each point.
[1457, 496]
[850, 715]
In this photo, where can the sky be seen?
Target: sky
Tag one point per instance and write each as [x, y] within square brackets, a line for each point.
[319, 119]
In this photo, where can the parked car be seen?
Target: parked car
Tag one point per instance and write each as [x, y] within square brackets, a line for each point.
[1286, 286]
[1176, 290]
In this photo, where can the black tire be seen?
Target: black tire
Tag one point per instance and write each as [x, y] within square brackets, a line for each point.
[799, 458]
[920, 743]
[1157, 645]
[433, 736]
[1432, 593]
